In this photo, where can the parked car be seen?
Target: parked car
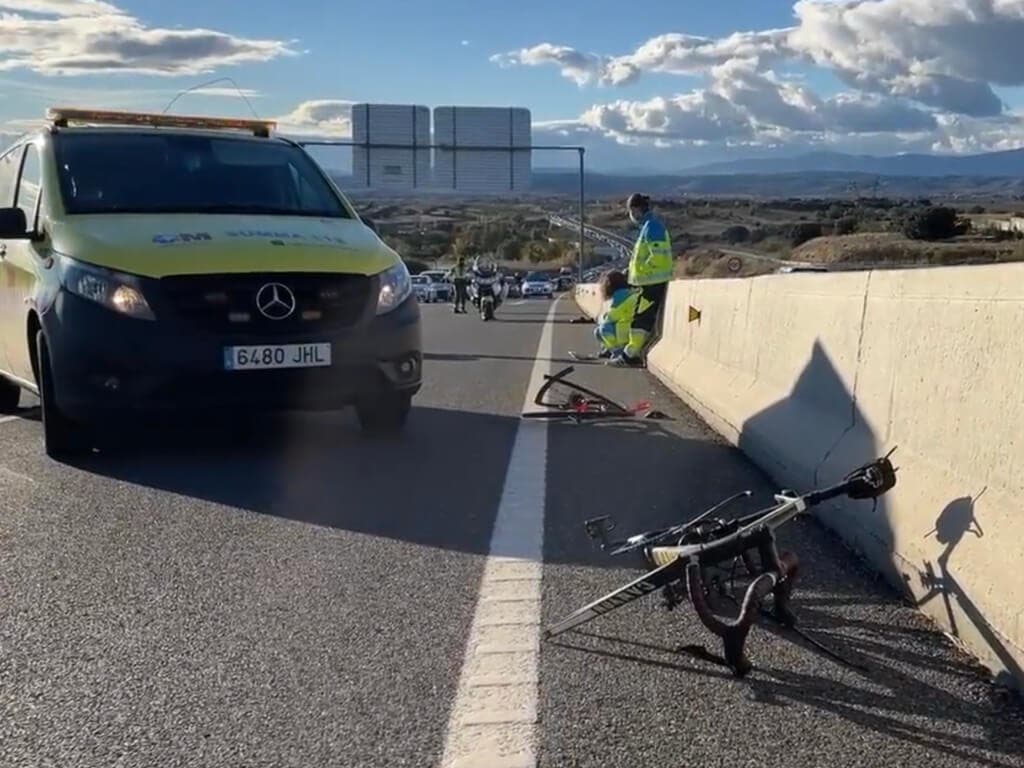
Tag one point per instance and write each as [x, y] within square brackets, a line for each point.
[440, 287]
[421, 287]
[564, 283]
[538, 284]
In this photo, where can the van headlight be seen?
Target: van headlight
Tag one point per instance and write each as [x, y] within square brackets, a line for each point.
[395, 287]
[116, 291]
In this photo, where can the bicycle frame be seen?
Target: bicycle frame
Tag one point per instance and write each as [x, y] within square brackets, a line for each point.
[696, 551]
[583, 404]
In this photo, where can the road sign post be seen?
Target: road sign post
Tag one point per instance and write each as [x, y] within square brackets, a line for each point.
[368, 145]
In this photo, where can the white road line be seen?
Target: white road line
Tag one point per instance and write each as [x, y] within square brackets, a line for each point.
[493, 721]
[5, 472]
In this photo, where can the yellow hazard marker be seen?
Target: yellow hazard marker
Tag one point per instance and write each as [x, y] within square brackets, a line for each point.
[694, 314]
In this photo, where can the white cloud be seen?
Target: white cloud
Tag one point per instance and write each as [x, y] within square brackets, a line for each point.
[682, 54]
[230, 93]
[325, 118]
[945, 54]
[581, 67]
[60, 7]
[744, 105]
[920, 73]
[701, 116]
[81, 37]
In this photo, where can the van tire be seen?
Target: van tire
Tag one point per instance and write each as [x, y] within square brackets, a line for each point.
[62, 437]
[10, 396]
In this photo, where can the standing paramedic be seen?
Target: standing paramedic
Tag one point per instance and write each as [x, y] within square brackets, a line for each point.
[650, 269]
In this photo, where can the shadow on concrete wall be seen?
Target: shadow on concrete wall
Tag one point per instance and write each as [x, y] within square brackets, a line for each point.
[792, 442]
[954, 522]
[866, 526]
[904, 668]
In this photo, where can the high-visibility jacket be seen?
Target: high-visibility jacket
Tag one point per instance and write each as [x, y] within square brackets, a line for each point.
[613, 325]
[651, 262]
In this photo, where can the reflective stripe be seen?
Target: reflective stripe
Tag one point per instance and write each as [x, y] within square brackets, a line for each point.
[636, 342]
[652, 254]
[652, 277]
[620, 314]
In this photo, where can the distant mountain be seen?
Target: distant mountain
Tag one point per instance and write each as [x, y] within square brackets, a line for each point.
[1009, 163]
[775, 185]
[737, 184]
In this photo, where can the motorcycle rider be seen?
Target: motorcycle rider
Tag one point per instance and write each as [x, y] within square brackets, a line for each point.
[485, 269]
[460, 278]
[613, 326]
[650, 269]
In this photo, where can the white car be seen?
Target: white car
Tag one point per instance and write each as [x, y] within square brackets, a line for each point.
[440, 288]
[537, 284]
[421, 287]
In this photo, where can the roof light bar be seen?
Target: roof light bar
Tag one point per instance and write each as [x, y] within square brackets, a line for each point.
[62, 116]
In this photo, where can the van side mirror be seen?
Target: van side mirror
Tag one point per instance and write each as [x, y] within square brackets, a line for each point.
[13, 224]
[371, 224]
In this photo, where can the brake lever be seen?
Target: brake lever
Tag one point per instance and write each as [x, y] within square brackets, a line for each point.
[598, 528]
[872, 480]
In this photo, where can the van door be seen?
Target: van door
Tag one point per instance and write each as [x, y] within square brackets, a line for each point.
[24, 262]
[10, 162]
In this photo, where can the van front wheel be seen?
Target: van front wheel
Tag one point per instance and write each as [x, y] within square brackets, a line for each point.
[62, 437]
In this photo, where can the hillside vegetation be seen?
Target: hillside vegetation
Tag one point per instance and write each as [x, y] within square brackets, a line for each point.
[711, 237]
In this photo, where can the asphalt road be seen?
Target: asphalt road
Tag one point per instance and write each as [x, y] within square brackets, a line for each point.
[304, 599]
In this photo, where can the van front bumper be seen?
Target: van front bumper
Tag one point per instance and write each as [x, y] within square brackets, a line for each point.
[105, 364]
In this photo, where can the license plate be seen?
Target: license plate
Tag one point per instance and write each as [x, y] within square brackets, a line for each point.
[265, 356]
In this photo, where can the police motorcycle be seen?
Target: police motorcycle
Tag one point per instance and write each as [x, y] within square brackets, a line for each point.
[487, 288]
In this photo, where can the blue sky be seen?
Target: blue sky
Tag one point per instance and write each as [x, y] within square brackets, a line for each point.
[662, 83]
[409, 52]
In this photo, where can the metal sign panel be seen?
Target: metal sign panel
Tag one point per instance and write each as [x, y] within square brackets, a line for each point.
[391, 146]
[482, 149]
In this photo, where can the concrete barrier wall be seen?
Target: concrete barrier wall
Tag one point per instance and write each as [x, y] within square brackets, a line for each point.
[588, 297]
[813, 374]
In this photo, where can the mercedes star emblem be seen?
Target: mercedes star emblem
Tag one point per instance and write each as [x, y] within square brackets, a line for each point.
[275, 301]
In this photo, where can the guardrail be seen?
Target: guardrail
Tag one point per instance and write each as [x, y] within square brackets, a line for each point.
[810, 374]
[593, 233]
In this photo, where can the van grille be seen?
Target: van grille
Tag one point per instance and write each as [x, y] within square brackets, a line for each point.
[228, 303]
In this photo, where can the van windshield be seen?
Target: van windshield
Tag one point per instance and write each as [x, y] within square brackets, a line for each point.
[124, 172]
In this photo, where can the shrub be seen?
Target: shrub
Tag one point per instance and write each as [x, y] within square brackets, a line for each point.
[932, 223]
[804, 231]
[736, 234]
[845, 226]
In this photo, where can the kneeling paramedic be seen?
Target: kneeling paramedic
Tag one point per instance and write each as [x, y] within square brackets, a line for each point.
[613, 327]
[650, 269]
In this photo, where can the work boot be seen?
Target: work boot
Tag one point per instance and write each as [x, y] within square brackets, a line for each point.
[622, 360]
